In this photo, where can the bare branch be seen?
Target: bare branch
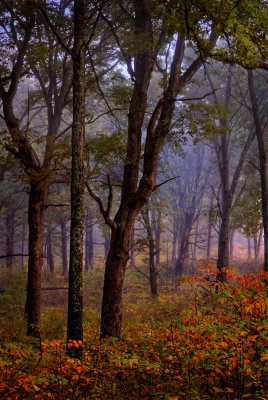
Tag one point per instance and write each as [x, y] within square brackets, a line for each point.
[109, 221]
[197, 98]
[56, 33]
[163, 183]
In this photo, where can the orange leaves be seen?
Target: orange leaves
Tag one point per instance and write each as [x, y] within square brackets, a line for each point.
[184, 348]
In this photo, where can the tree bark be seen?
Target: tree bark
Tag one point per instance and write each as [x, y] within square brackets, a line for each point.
[75, 293]
[64, 257]
[88, 242]
[50, 255]
[134, 195]
[106, 245]
[232, 235]
[36, 212]
[249, 249]
[183, 249]
[196, 237]
[152, 247]
[10, 216]
[174, 238]
[228, 186]
[263, 162]
[132, 251]
[157, 237]
[210, 222]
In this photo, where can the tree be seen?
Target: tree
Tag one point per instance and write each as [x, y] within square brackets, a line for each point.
[75, 293]
[229, 174]
[259, 128]
[135, 193]
[146, 21]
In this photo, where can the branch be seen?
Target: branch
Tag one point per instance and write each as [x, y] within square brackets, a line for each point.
[98, 83]
[197, 98]
[163, 183]
[110, 196]
[57, 205]
[56, 33]
[15, 255]
[105, 113]
[109, 221]
[124, 54]
[95, 23]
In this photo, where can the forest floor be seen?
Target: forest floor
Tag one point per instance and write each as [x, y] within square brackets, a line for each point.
[191, 343]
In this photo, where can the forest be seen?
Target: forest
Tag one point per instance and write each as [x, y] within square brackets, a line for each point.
[133, 199]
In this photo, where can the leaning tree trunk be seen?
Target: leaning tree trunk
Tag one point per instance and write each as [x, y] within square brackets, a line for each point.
[75, 293]
[36, 212]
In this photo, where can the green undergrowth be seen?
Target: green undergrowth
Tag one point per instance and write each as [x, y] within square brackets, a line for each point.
[191, 343]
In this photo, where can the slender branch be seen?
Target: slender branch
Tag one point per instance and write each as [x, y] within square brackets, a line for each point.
[14, 255]
[104, 113]
[109, 221]
[98, 83]
[126, 57]
[110, 196]
[196, 98]
[163, 183]
[57, 205]
[54, 30]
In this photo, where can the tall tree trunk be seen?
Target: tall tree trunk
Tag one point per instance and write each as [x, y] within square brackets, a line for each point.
[223, 249]
[183, 249]
[263, 162]
[132, 251]
[196, 236]
[64, 257]
[135, 192]
[10, 216]
[255, 240]
[22, 245]
[50, 254]
[257, 244]
[88, 242]
[106, 245]
[75, 293]
[249, 249]
[210, 222]
[259, 241]
[174, 238]
[232, 235]
[151, 245]
[115, 267]
[36, 212]
[157, 237]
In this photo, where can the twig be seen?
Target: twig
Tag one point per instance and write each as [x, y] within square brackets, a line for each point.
[163, 183]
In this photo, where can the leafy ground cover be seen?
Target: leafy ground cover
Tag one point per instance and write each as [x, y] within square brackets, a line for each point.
[192, 343]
